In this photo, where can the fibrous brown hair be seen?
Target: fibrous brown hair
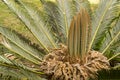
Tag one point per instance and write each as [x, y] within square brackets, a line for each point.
[58, 65]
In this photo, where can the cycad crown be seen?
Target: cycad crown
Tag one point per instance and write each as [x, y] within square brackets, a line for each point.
[84, 48]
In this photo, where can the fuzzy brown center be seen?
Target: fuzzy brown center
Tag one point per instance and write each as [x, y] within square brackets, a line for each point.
[59, 66]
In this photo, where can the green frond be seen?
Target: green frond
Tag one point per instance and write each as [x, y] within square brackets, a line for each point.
[60, 13]
[29, 17]
[11, 74]
[65, 12]
[38, 18]
[101, 21]
[51, 10]
[114, 56]
[19, 45]
[117, 66]
[78, 38]
[78, 4]
[6, 77]
[19, 71]
[109, 44]
[3, 50]
[108, 75]
[114, 33]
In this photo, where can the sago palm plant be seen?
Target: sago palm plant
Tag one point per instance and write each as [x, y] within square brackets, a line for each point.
[74, 42]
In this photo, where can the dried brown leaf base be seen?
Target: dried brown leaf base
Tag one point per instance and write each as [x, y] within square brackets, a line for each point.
[57, 65]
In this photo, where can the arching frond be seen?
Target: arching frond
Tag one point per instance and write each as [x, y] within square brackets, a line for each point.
[10, 68]
[42, 25]
[60, 14]
[3, 50]
[19, 45]
[114, 56]
[39, 30]
[78, 4]
[114, 33]
[101, 21]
